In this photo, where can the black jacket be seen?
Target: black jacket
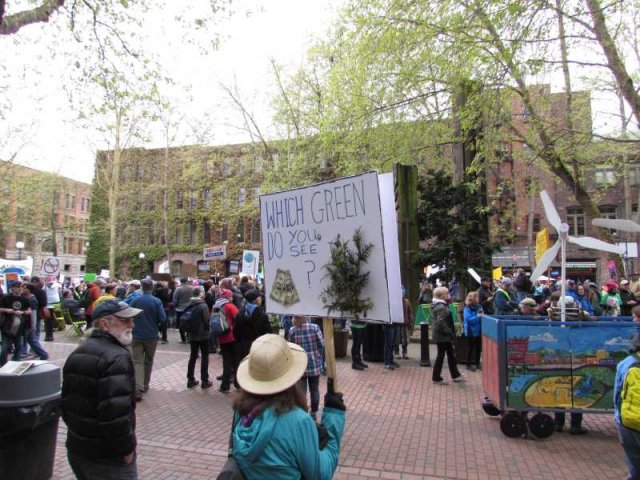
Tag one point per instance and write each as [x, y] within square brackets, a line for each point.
[443, 329]
[98, 398]
[200, 318]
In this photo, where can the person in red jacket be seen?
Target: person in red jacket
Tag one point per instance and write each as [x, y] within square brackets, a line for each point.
[95, 292]
[227, 342]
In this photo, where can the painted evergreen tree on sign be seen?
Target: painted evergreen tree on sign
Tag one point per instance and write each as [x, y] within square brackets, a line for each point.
[346, 277]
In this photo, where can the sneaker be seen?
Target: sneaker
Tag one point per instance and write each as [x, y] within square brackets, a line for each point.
[459, 378]
[48, 339]
[440, 382]
[405, 357]
[363, 365]
[357, 366]
[223, 390]
[206, 384]
[389, 367]
[192, 383]
[578, 431]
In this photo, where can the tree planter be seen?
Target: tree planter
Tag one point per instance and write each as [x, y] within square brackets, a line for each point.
[341, 342]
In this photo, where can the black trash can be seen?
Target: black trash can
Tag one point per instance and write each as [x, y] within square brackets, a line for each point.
[29, 415]
[373, 345]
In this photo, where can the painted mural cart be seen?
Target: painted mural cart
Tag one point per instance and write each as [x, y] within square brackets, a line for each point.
[534, 367]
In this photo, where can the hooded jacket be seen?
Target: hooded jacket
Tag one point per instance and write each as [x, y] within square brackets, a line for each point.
[200, 316]
[286, 446]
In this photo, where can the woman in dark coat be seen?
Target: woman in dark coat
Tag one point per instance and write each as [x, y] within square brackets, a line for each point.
[444, 333]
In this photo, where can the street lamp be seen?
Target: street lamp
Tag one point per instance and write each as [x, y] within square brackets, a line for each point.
[141, 256]
[19, 246]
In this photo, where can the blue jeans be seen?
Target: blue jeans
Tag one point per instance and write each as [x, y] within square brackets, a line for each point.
[6, 344]
[630, 440]
[34, 342]
[389, 342]
[314, 390]
[86, 468]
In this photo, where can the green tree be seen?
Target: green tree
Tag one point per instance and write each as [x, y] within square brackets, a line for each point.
[450, 222]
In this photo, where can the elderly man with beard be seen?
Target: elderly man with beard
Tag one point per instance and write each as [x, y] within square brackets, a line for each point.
[98, 395]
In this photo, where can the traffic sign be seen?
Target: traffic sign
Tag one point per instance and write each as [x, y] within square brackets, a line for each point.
[51, 266]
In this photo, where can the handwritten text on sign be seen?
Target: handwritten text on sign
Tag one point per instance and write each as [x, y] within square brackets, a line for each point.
[298, 226]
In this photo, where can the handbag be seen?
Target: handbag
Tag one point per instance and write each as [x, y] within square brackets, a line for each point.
[230, 469]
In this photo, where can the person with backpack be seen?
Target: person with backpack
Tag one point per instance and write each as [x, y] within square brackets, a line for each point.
[626, 402]
[181, 298]
[195, 321]
[227, 341]
[250, 323]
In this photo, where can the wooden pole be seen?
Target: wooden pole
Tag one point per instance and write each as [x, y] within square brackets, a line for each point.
[330, 351]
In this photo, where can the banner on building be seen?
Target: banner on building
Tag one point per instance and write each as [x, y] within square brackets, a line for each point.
[542, 243]
[250, 262]
[21, 267]
[218, 252]
[298, 228]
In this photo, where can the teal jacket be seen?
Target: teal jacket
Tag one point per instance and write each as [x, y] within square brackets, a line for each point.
[286, 446]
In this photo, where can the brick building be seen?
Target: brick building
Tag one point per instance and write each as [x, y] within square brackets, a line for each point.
[48, 213]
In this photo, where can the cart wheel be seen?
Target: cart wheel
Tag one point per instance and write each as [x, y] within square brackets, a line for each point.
[490, 409]
[513, 425]
[541, 425]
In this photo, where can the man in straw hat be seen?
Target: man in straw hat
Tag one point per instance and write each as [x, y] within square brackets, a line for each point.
[273, 435]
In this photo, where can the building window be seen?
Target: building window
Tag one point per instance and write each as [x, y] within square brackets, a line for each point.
[242, 196]
[193, 200]
[608, 211]
[47, 245]
[605, 176]
[634, 174]
[179, 200]
[207, 196]
[192, 232]
[536, 224]
[179, 234]
[255, 232]
[240, 231]
[73, 202]
[82, 268]
[176, 268]
[576, 221]
[256, 195]
[224, 233]
[67, 267]
[206, 232]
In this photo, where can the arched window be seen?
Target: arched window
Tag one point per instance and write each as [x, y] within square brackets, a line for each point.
[176, 268]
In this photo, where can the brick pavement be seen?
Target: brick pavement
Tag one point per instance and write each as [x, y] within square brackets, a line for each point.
[399, 426]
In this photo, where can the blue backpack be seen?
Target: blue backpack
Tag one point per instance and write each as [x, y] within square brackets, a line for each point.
[218, 321]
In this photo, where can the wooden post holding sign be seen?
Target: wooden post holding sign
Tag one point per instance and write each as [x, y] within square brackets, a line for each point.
[330, 351]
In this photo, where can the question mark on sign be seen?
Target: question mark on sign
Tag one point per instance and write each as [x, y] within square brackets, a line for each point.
[312, 269]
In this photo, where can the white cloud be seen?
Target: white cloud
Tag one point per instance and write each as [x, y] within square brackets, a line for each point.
[618, 341]
[543, 337]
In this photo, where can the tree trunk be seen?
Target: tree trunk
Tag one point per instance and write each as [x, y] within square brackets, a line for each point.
[614, 61]
[113, 194]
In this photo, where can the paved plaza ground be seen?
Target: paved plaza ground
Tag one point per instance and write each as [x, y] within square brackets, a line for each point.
[399, 426]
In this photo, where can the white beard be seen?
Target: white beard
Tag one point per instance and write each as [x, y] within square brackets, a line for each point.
[126, 337]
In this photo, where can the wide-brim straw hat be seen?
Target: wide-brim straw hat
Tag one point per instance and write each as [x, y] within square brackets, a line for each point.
[272, 366]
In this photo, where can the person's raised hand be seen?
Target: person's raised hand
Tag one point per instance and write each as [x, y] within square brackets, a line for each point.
[333, 399]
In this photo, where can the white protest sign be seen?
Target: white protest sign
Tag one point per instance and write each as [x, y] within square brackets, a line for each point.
[50, 266]
[219, 252]
[250, 262]
[297, 229]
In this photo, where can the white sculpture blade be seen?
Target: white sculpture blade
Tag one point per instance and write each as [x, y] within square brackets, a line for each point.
[550, 210]
[545, 261]
[595, 244]
[474, 274]
[617, 224]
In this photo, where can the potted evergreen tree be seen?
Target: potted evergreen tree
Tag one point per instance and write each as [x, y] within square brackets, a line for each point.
[347, 280]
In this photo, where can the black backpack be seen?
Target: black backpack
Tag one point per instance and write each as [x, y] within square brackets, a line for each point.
[188, 322]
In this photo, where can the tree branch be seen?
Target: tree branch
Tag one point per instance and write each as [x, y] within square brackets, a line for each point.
[10, 24]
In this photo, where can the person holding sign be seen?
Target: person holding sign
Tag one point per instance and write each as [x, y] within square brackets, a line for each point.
[273, 436]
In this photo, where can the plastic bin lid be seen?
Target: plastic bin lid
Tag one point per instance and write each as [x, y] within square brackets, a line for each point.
[39, 384]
